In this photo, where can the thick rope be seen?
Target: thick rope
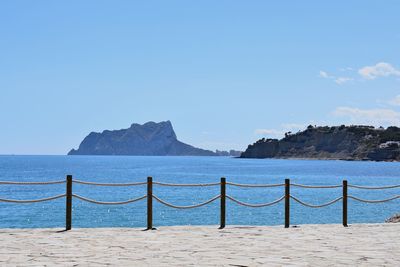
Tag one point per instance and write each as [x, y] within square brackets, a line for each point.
[256, 205]
[374, 201]
[316, 206]
[31, 201]
[255, 185]
[316, 186]
[168, 184]
[373, 187]
[186, 207]
[108, 203]
[33, 183]
[107, 184]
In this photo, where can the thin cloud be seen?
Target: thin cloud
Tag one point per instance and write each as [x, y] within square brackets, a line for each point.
[279, 133]
[294, 126]
[324, 74]
[375, 117]
[395, 101]
[346, 69]
[338, 80]
[342, 80]
[381, 69]
[269, 132]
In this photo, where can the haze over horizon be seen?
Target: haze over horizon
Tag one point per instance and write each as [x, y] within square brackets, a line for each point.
[224, 73]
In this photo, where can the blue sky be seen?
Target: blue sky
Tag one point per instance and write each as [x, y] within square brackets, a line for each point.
[226, 73]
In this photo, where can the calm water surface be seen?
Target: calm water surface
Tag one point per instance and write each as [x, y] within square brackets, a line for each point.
[190, 170]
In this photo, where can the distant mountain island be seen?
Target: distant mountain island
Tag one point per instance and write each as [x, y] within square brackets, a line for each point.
[337, 142]
[149, 139]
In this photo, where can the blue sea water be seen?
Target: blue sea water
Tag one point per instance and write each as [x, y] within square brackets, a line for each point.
[124, 169]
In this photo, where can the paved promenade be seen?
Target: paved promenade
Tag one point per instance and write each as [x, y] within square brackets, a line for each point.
[308, 245]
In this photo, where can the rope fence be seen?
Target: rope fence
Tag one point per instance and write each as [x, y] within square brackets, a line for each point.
[316, 186]
[31, 201]
[185, 185]
[374, 188]
[186, 207]
[374, 201]
[108, 184]
[255, 185]
[316, 206]
[256, 205]
[222, 196]
[32, 183]
[108, 203]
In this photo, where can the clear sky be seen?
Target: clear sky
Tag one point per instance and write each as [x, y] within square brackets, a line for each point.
[226, 73]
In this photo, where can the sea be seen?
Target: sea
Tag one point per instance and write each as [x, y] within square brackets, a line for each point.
[187, 170]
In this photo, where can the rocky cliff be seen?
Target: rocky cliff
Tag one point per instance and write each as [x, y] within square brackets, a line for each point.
[339, 142]
[149, 139]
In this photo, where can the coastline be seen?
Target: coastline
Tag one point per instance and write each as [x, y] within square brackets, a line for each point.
[213, 156]
[322, 159]
[315, 245]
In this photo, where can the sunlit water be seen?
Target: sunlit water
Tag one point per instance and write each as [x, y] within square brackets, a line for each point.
[190, 170]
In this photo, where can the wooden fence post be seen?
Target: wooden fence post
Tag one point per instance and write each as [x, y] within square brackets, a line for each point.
[223, 203]
[345, 203]
[149, 203]
[287, 203]
[68, 210]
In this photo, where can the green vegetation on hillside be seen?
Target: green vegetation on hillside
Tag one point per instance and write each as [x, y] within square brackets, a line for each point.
[356, 142]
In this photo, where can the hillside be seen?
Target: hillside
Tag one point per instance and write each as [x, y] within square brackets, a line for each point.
[337, 142]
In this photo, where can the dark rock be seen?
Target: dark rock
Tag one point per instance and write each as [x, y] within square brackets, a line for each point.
[149, 139]
[394, 219]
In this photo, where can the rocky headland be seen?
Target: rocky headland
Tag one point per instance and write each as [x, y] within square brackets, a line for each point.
[337, 142]
[149, 139]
